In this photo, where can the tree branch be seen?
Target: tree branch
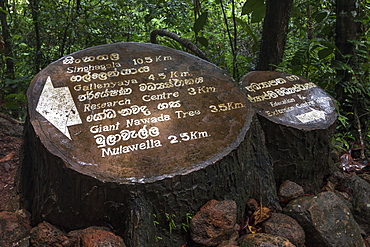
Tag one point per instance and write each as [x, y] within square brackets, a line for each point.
[184, 42]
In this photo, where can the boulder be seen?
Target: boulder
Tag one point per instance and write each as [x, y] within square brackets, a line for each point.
[215, 222]
[326, 220]
[360, 200]
[264, 239]
[14, 231]
[45, 234]
[228, 243]
[285, 226]
[336, 178]
[365, 176]
[99, 237]
[289, 190]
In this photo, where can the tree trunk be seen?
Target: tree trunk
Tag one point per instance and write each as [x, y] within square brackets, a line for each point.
[8, 53]
[346, 30]
[298, 120]
[75, 173]
[274, 34]
[34, 4]
[300, 156]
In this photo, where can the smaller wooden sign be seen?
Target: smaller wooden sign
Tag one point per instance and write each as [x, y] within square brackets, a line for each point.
[289, 100]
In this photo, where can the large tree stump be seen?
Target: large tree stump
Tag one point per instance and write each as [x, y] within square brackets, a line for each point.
[298, 119]
[139, 136]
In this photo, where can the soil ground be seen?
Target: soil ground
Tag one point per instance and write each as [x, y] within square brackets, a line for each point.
[10, 147]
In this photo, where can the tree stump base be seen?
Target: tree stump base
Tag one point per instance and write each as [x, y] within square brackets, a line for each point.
[300, 156]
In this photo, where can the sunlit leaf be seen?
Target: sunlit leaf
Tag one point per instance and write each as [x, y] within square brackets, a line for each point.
[16, 36]
[3, 11]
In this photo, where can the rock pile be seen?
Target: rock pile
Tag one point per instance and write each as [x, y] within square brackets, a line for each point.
[338, 216]
[16, 231]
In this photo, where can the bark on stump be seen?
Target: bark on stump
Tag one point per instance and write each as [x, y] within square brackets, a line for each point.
[149, 194]
[298, 119]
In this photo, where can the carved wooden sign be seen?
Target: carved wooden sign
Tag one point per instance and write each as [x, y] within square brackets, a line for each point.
[136, 112]
[289, 100]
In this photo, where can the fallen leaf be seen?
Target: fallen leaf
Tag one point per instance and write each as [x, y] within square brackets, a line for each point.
[350, 165]
[261, 214]
[329, 187]
[345, 189]
[366, 241]
[250, 228]
[8, 156]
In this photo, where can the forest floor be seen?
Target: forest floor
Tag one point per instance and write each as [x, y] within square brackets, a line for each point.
[10, 147]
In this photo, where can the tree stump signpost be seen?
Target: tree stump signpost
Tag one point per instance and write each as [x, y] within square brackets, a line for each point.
[298, 119]
[138, 136]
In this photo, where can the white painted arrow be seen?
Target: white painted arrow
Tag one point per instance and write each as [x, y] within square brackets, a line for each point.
[311, 116]
[58, 107]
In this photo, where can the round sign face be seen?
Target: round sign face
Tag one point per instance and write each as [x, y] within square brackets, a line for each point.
[289, 100]
[136, 112]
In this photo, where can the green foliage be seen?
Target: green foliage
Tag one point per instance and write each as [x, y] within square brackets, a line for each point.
[311, 52]
[155, 221]
[256, 8]
[64, 27]
[228, 31]
[171, 221]
[341, 139]
[313, 59]
[200, 22]
[167, 224]
[186, 224]
[13, 96]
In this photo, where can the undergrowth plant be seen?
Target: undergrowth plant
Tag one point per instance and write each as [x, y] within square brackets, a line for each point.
[13, 99]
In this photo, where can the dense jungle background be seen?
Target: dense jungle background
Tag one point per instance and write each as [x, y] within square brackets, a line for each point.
[325, 41]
